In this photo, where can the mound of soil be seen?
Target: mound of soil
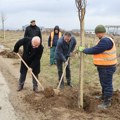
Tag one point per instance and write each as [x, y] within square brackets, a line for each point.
[69, 99]
[9, 54]
[49, 92]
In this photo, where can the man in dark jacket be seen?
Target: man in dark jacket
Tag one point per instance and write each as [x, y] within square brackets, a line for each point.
[32, 30]
[64, 49]
[32, 52]
[105, 60]
[52, 43]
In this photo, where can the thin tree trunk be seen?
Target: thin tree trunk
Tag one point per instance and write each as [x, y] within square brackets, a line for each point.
[81, 66]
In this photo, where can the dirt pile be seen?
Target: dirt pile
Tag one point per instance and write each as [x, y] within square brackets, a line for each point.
[69, 99]
[49, 92]
[9, 54]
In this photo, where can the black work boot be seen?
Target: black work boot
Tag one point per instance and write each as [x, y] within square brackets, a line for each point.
[35, 89]
[20, 87]
[62, 85]
[69, 84]
[106, 103]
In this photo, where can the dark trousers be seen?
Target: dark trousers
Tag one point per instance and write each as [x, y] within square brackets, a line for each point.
[23, 77]
[106, 76]
[60, 71]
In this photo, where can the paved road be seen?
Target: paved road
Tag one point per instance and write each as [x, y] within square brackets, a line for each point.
[6, 110]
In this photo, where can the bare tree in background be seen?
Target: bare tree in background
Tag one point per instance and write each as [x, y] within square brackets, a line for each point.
[3, 19]
[81, 6]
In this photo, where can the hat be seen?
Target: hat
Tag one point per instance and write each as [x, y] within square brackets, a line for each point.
[32, 21]
[100, 29]
[56, 27]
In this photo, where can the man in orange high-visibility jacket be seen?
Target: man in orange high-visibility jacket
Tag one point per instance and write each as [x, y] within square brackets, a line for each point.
[52, 43]
[104, 57]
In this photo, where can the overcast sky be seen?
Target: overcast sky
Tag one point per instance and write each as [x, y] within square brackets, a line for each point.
[49, 13]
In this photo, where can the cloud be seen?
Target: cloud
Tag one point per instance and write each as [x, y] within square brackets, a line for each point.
[59, 12]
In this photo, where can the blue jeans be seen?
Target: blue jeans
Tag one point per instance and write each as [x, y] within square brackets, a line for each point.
[106, 76]
[60, 71]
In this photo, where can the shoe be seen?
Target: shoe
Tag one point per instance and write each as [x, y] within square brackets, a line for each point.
[70, 85]
[101, 97]
[35, 89]
[62, 86]
[20, 87]
[106, 103]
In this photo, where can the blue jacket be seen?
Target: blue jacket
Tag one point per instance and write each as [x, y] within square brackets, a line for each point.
[103, 44]
[64, 49]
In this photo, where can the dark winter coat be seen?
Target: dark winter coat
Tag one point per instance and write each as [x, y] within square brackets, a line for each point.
[32, 31]
[30, 55]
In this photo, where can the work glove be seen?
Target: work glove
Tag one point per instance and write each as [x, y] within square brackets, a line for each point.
[80, 48]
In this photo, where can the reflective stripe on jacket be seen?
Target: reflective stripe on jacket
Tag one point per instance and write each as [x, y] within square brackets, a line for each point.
[108, 57]
[52, 37]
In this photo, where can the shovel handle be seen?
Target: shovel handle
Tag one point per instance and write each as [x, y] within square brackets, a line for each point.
[30, 71]
[62, 74]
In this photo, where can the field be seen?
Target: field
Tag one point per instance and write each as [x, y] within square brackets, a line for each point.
[30, 106]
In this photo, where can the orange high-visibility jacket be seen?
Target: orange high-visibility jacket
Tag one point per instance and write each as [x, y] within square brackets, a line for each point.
[52, 37]
[108, 57]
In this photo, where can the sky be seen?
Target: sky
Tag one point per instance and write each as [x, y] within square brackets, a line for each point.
[49, 13]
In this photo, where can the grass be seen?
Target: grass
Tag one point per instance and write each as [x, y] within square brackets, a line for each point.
[48, 73]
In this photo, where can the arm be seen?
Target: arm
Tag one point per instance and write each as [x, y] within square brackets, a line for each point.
[40, 35]
[18, 44]
[26, 32]
[104, 44]
[60, 52]
[72, 46]
[49, 40]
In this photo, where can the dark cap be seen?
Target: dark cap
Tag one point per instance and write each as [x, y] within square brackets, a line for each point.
[100, 29]
[56, 28]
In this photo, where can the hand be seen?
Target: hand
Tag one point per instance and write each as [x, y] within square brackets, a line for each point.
[80, 48]
[66, 63]
[30, 70]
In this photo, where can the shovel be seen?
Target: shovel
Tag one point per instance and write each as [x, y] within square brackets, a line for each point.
[31, 71]
[57, 91]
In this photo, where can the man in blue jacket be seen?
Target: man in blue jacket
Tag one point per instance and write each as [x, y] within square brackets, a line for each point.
[64, 49]
[105, 60]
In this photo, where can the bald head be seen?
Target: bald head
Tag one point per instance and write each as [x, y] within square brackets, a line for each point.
[36, 41]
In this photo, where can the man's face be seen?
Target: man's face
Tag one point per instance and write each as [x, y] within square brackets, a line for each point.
[35, 42]
[56, 31]
[100, 35]
[67, 38]
[33, 23]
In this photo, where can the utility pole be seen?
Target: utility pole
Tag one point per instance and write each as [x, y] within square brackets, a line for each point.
[3, 19]
[81, 7]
